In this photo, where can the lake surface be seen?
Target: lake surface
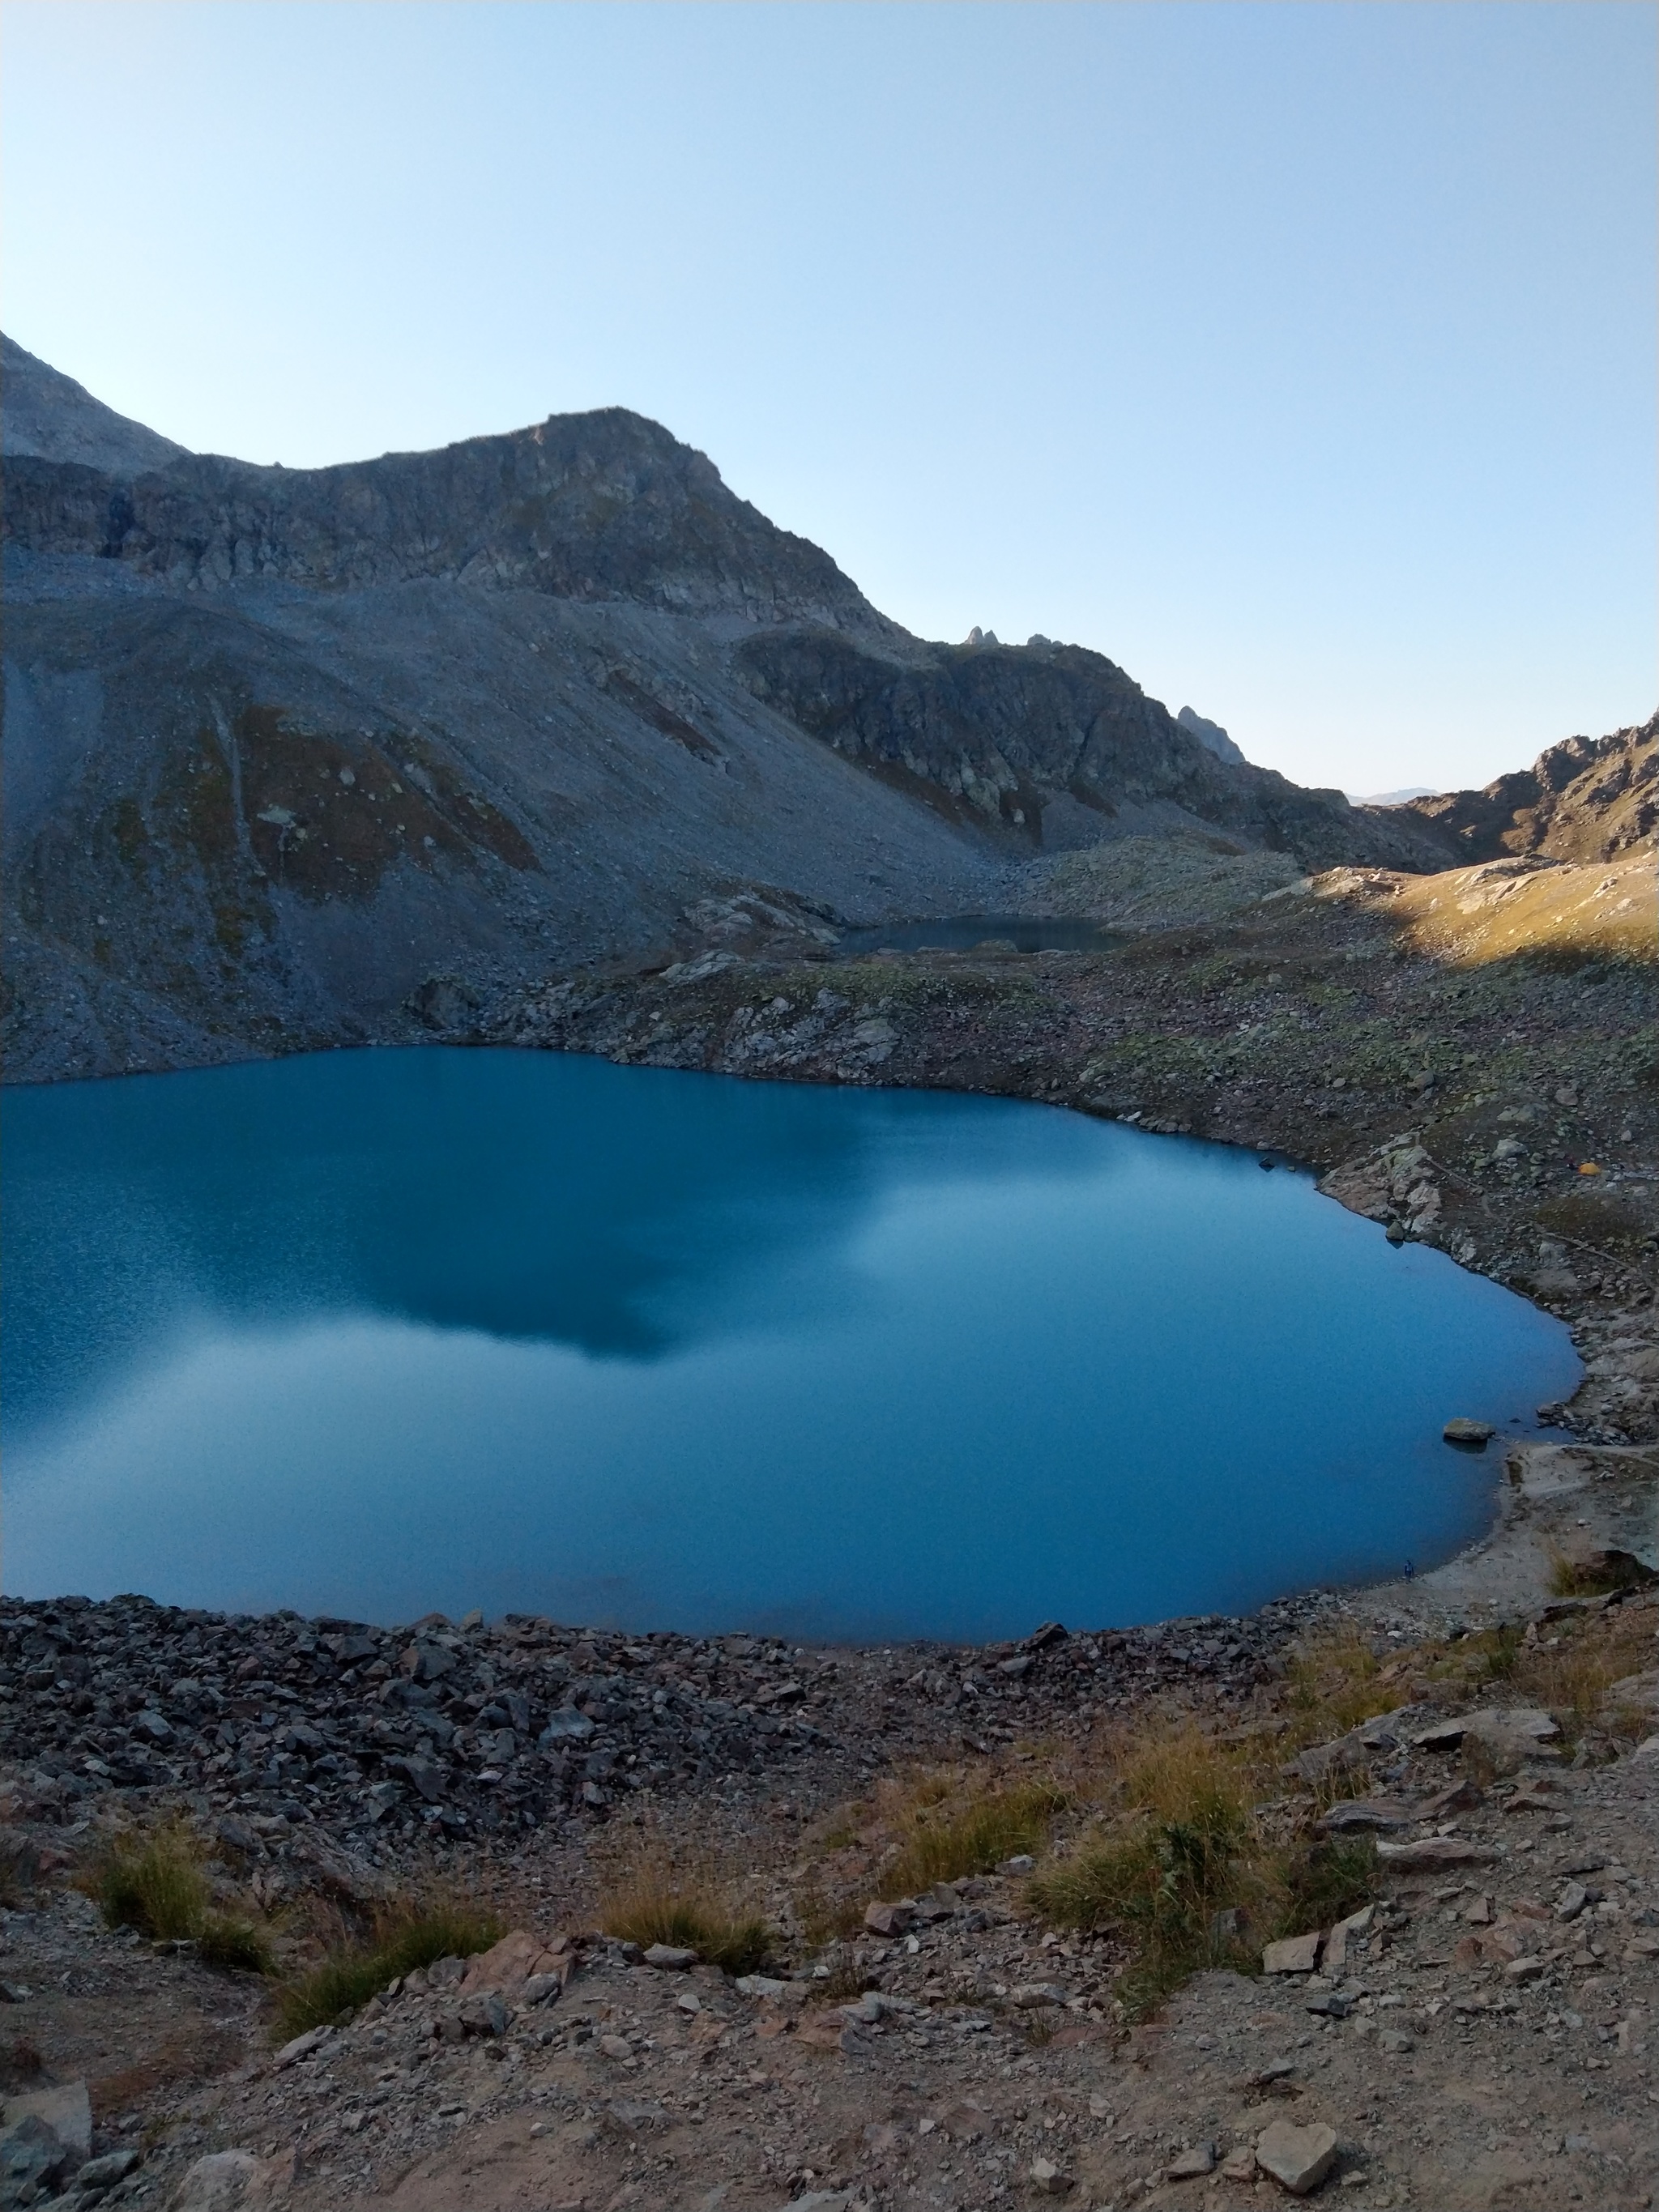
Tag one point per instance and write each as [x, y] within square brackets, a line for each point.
[377, 1332]
[961, 933]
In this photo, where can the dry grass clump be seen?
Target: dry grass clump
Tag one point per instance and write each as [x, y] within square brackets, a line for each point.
[154, 1880]
[1334, 1683]
[661, 1906]
[948, 1833]
[658, 1888]
[1185, 1872]
[405, 1935]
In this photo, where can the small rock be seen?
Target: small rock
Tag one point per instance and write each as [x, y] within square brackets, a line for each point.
[1051, 2179]
[1394, 2041]
[1296, 1954]
[1571, 1902]
[1524, 1970]
[1192, 2164]
[104, 2172]
[301, 2046]
[1298, 2159]
[1464, 1796]
[485, 2013]
[565, 1726]
[616, 2046]
[1434, 1852]
[888, 1919]
[1473, 1434]
[1239, 2164]
[670, 1956]
[1335, 1954]
[1360, 1815]
[1029, 1995]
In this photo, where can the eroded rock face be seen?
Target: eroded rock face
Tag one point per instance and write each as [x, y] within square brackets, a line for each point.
[1053, 742]
[1589, 799]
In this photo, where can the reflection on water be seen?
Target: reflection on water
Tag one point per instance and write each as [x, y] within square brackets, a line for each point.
[377, 1331]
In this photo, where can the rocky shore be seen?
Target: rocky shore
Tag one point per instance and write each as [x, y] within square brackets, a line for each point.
[1475, 2040]
[349, 1745]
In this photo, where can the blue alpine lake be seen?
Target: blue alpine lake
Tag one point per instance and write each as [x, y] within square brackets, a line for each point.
[377, 1332]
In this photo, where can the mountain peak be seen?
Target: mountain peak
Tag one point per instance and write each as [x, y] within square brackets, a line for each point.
[49, 417]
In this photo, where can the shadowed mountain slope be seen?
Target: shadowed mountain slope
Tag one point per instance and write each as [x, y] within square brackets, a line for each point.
[297, 757]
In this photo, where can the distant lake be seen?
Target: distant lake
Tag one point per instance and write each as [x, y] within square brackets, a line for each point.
[961, 933]
[379, 1333]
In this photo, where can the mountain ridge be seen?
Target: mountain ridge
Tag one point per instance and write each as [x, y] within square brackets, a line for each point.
[294, 754]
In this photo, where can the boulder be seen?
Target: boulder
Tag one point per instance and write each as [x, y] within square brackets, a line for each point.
[65, 2109]
[1473, 1435]
[32, 2159]
[1295, 1954]
[236, 2181]
[520, 1957]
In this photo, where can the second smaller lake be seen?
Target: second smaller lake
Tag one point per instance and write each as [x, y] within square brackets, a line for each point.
[961, 933]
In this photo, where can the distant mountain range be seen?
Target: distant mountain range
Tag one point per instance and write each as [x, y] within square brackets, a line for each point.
[283, 745]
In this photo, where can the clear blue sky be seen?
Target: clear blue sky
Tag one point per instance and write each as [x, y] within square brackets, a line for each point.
[1302, 358]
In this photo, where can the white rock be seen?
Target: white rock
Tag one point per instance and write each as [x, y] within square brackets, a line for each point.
[1296, 1954]
[1298, 2159]
[235, 2181]
[1051, 2179]
[66, 2109]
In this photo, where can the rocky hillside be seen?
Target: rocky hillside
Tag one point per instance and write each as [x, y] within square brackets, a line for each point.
[1053, 743]
[1589, 799]
[295, 758]
[51, 418]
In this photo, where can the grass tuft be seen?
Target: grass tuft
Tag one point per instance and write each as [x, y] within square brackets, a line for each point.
[154, 1881]
[946, 1839]
[405, 1937]
[1183, 1871]
[658, 1907]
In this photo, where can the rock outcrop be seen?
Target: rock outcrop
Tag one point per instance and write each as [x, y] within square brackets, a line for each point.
[1589, 799]
[1211, 735]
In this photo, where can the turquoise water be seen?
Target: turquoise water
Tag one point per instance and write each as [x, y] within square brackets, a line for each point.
[381, 1332]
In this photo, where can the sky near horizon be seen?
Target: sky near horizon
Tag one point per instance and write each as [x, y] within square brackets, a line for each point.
[1301, 358]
